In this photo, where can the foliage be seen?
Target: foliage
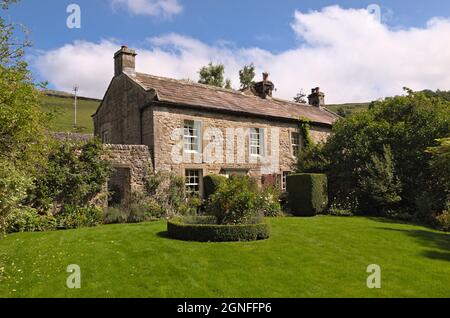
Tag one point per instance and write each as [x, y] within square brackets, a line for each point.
[23, 141]
[312, 159]
[300, 98]
[307, 193]
[115, 215]
[73, 217]
[269, 201]
[213, 75]
[337, 210]
[305, 133]
[443, 221]
[437, 94]
[75, 175]
[380, 183]
[13, 189]
[179, 229]
[211, 183]
[247, 76]
[235, 202]
[26, 219]
[168, 191]
[408, 125]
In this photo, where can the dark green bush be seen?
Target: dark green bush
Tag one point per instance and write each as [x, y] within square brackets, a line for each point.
[307, 193]
[211, 184]
[73, 217]
[235, 202]
[179, 229]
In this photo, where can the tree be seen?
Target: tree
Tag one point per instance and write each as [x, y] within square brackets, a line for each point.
[355, 152]
[300, 98]
[379, 182]
[247, 75]
[23, 138]
[213, 75]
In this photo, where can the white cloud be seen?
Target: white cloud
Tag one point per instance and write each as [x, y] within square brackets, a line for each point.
[164, 8]
[346, 52]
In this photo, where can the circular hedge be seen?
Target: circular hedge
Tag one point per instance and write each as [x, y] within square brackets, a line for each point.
[181, 229]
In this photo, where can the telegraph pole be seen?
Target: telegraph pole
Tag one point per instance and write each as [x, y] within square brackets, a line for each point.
[75, 89]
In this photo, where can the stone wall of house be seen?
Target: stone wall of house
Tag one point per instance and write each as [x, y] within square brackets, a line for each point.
[119, 116]
[167, 119]
[131, 164]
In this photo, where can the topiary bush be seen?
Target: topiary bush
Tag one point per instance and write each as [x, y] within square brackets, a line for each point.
[307, 193]
[189, 231]
[211, 184]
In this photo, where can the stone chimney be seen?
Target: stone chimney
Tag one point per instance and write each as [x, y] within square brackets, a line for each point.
[317, 98]
[263, 88]
[124, 61]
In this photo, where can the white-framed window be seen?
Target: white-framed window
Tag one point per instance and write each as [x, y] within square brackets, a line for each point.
[295, 143]
[193, 181]
[256, 141]
[283, 180]
[192, 136]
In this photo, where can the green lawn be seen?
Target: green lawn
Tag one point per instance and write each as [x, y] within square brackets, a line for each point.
[64, 110]
[305, 257]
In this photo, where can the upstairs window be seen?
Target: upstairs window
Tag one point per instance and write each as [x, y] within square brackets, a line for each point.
[295, 143]
[256, 141]
[192, 136]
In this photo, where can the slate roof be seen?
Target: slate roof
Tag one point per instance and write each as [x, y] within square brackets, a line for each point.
[208, 97]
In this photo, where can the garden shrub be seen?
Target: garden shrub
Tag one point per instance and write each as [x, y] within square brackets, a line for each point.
[211, 183]
[235, 201]
[443, 221]
[307, 193]
[73, 217]
[201, 232]
[115, 215]
[269, 201]
[168, 190]
[75, 175]
[27, 219]
[336, 210]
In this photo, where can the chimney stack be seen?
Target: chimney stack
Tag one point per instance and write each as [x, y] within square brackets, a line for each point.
[317, 98]
[264, 88]
[124, 61]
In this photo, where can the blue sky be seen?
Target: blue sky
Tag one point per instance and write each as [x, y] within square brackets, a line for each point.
[268, 26]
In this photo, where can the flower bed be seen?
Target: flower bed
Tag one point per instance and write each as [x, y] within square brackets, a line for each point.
[203, 229]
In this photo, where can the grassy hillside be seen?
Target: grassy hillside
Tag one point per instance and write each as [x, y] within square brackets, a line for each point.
[62, 107]
[345, 110]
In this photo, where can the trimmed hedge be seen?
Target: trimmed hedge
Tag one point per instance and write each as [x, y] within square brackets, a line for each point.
[179, 229]
[211, 183]
[307, 193]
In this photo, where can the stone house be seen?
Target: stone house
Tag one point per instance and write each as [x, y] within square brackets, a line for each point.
[195, 130]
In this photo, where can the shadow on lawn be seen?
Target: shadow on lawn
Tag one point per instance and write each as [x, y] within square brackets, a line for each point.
[432, 240]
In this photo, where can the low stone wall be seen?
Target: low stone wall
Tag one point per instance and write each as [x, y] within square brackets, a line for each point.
[136, 158]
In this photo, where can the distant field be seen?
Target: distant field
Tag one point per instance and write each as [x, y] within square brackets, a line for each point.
[64, 113]
[348, 109]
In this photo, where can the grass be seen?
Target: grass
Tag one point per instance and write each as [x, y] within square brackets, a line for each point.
[64, 110]
[305, 257]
